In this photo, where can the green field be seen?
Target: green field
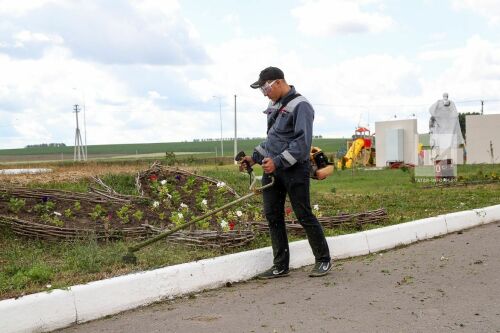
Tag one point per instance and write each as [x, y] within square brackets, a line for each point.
[328, 145]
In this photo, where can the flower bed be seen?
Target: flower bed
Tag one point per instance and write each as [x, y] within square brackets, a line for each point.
[170, 197]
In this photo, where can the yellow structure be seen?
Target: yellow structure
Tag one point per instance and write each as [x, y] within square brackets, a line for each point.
[353, 152]
[360, 147]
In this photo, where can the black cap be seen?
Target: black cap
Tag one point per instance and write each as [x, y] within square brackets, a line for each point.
[268, 74]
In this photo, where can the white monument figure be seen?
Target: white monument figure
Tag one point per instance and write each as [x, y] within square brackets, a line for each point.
[444, 130]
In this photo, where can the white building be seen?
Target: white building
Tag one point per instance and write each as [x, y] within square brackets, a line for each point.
[483, 138]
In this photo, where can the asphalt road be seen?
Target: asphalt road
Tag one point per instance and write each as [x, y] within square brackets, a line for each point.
[449, 284]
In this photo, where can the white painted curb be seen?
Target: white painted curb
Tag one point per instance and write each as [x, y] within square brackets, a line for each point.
[350, 245]
[60, 308]
[38, 312]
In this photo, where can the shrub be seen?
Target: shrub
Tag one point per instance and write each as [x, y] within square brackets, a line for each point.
[123, 213]
[69, 213]
[15, 205]
[97, 213]
[138, 215]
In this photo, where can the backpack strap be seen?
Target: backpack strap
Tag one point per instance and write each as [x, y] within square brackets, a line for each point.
[283, 107]
[292, 104]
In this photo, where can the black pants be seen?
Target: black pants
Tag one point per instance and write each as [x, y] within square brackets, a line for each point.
[293, 181]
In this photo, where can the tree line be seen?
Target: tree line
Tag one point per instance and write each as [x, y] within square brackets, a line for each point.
[46, 145]
[246, 138]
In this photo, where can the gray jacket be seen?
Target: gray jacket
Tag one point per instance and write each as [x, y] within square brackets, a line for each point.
[289, 138]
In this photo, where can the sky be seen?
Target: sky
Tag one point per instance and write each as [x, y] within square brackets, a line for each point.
[168, 70]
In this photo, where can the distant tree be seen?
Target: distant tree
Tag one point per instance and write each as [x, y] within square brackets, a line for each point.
[46, 145]
[461, 120]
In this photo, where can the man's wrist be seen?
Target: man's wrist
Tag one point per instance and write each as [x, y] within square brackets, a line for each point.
[277, 162]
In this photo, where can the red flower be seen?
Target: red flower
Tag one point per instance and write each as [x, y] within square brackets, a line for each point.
[231, 225]
[153, 178]
[288, 211]
[110, 216]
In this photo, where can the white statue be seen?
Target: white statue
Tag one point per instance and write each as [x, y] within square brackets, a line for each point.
[444, 129]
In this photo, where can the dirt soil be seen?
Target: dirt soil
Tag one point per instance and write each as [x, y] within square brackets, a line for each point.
[67, 173]
[449, 284]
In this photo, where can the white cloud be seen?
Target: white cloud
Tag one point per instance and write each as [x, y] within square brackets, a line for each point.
[135, 93]
[439, 54]
[337, 17]
[233, 22]
[146, 32]
[18, 8]
[474, 71]
[360, 89]
[25, 36]
[167, 8]
[487, 8]
[37, 96]
[231, 18]
[371, 80]
[236, 64]
[153, 94]
[435, 40]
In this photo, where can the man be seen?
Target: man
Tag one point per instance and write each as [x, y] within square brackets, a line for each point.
[284, 155]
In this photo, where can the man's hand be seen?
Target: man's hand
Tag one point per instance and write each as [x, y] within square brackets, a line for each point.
[268, 165]
[246, 161]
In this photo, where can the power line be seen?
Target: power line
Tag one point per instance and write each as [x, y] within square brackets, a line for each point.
[369, 105]
[403, 105]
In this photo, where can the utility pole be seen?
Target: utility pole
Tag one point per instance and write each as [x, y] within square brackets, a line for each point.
[482, 105]
[79, 152]
[235, 131]
[84, 143]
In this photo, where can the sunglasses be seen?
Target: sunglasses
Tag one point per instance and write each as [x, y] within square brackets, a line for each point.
[266, 88]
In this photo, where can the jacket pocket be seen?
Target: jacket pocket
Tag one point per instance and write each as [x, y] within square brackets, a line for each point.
[284, 123]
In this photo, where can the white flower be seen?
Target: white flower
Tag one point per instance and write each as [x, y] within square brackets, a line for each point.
[239, 213]
[156, 204]
[221, 184]
[183, 205]
[223, 224]
[57, 214]
[316, 207]
[163, 182]
[180, 215]
[204, 202]
[48, 286]
[169, 196]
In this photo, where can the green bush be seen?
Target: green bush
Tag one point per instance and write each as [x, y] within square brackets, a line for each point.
[15, 205]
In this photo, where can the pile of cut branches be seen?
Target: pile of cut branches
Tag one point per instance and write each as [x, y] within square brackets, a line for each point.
[356, 220]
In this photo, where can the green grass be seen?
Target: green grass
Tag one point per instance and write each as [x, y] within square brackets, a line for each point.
[28, 266]
[124, 184]
[79, 186]
[328, 145]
